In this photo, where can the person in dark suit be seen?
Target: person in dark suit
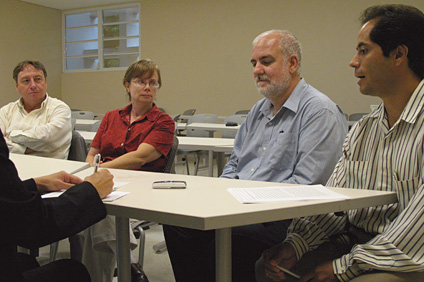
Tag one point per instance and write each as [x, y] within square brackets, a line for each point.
[29, 221]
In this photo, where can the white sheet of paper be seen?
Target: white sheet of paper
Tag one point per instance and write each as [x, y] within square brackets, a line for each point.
[109, 198]
[284, 193]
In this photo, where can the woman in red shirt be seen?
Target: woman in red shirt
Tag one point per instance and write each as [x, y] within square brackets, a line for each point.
[137, 137]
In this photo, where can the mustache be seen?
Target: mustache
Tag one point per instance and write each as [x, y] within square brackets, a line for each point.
[262, 77]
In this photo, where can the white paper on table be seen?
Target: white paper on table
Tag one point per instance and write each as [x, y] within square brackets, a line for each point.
[109, 198]
[284, 193]
[114, 196]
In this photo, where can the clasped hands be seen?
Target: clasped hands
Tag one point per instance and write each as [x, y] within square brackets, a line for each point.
[102, 180]
[284, 255]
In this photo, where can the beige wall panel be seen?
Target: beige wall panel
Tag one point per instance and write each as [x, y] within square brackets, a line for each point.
[29, 32]
[203, 49]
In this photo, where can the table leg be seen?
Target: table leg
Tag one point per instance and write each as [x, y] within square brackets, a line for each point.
[223, 254]
[123, 248]
[210, 171]
[220, 163]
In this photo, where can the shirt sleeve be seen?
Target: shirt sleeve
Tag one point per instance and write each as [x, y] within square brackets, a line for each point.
[4, 124]
[307, 233]
[33, 222]
[162, 135]
[320, 147]
[47, 137]
[230, 169]
[399, 248]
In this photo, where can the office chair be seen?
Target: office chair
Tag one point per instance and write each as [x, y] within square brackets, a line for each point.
[186, 115]
[238, 119]
[82, 115]
[356, 116]
[77, 152]
[139, 227]
[95, 126]
[201, 118]
[242, 112]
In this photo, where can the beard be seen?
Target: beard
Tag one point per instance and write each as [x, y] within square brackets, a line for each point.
[274, 88]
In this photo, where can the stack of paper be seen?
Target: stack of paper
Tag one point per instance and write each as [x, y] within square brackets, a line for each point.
[284, 193]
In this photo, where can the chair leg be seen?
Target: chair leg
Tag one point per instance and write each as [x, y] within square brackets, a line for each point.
[186, 163]
[141, 246]
[159, 247]
[196, 168]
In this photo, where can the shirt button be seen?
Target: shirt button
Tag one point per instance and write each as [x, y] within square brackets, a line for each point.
[129, 129]
[122, 144]
[269, 123]
[252, 169]
[264, 148]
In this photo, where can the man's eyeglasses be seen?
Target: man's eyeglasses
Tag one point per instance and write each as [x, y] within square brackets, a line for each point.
[141, 83]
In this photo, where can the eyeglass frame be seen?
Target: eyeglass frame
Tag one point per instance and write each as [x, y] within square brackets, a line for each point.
[143, 84]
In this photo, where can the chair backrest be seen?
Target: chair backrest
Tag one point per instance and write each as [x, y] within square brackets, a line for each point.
[239, 119]
[176, 117]
[170, 164]
[204, 118]
[78, 149]
[73, 122]
[356, 116]
[242, 112]
[82, 114]
[95, 126]
[162, 110]
[188, 113]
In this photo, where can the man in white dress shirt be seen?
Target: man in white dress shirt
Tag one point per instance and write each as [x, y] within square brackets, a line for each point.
[36, 123]
[383, 151]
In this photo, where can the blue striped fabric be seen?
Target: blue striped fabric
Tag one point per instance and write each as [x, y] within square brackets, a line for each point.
[377, 157]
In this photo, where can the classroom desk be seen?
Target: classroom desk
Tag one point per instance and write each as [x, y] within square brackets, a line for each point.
[33, 166]
[219, 145]
[206, 205]
[84, 124]
[180, 126]
[87, 135]
[212, 127]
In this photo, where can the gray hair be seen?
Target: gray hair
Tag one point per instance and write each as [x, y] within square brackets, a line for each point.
[289, 44]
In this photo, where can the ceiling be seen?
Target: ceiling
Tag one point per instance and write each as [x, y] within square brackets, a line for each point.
[74, 4]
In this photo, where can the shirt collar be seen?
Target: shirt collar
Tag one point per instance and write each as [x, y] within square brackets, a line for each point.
[291, 104]
[415, 105]
[411, 111]
[22, 107]
[150, 115]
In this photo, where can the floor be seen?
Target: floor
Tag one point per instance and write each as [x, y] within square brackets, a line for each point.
[157, 266]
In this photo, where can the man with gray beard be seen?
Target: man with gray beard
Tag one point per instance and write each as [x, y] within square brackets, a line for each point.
[293, 135]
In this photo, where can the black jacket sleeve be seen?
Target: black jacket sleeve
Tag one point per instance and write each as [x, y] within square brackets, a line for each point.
[29, 221]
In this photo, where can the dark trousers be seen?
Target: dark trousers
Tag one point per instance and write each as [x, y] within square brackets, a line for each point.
[192, 252]
[65, 270]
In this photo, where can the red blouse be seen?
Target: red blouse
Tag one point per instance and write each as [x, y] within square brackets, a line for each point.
[116, 136]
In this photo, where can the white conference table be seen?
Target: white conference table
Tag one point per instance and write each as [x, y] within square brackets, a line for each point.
[212, 127]
[219, 145]
[206, 205]
[29, 166]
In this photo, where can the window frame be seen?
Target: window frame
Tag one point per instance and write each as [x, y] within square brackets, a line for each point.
[100, 40]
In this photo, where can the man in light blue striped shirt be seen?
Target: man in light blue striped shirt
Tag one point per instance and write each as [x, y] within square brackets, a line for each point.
[383, 151]
[293, 135]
